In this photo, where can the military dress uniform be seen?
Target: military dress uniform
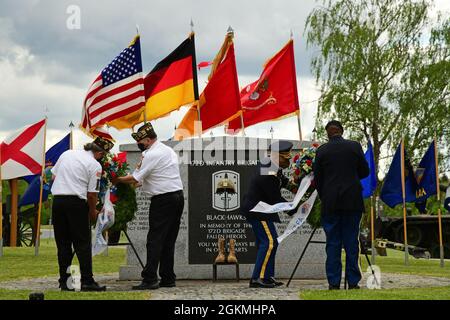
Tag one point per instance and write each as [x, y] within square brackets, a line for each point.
[265, 186]
[76, 173]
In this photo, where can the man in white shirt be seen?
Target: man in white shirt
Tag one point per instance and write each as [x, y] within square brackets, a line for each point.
[158, 173]
[76, 184]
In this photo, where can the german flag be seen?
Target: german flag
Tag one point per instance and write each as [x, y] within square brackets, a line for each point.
[171, 84]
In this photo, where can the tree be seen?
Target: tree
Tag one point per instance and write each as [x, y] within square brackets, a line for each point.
[384, 70]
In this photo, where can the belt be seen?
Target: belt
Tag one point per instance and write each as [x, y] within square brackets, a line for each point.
[167, 194]
[62, 196]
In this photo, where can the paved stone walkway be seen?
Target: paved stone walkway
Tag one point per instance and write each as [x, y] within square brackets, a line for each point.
[228, 290]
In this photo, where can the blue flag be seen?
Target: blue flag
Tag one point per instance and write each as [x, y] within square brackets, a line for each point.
[391, 192]
[31, 195]
[426, 178]
[369, 183]
[426, 174]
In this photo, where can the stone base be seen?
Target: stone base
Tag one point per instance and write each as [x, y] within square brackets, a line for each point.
[228, 272]
[203, 219]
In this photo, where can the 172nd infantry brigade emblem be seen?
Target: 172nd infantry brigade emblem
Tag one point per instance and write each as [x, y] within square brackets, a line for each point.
[225, 190]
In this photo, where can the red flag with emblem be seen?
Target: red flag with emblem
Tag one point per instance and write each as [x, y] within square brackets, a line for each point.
[22, 153]
[274, 95]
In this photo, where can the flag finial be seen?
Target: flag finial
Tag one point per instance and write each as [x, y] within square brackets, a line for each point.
[291, 34]
[137, 29]
[71, 125]
[192, 25]
[230, 30]
[46, 111]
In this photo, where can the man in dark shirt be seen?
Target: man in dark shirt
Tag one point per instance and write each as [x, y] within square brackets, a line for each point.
[265, 186]
[338, 168]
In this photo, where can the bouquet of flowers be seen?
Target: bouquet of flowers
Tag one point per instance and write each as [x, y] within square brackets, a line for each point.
[302, 165]
[122, 196]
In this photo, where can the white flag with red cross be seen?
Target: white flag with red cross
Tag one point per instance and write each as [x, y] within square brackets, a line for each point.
[22, 153]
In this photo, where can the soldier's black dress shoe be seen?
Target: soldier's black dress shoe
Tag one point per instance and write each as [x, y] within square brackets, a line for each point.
[147, 286]
[164, 284]
[259, 283]
[275, 282]
[331, 287]
[92, 286]
[353, 287]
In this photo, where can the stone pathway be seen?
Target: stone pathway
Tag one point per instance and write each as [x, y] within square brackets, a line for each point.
[228, 290]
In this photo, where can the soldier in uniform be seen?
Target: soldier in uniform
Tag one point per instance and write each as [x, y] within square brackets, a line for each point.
[76, 184]
[159, 175]
[338, 168]
[266, 186]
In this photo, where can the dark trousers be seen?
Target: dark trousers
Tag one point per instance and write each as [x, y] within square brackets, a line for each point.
[164, 223]
[342, 230]
[70, 217]
[267, 244]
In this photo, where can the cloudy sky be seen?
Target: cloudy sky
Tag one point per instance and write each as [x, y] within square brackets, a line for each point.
[46, 67]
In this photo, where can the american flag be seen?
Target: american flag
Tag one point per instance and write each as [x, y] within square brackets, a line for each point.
[117, 91]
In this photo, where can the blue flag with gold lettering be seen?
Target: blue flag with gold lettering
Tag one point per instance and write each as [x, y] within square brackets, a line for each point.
[391, 192]
[426, 174]
[426, 178]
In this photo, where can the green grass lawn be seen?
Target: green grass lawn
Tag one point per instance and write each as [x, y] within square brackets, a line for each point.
[392, 263]
[441, 293]
[21, 263]
[58, 295]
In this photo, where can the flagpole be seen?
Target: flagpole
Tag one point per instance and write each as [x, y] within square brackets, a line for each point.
[145, 107]
[372, 229]
[14, 213]
[194, 68]
[402, 165]
[438, 194]
[1, 206]
[38, 225]
[291, 37]
[242, 124]
[71, 125]
[299, 125]
[199, 121]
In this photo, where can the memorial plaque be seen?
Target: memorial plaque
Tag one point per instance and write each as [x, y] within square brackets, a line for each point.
[215, 211]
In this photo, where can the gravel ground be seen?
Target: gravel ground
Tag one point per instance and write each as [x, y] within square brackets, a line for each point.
[228, 290]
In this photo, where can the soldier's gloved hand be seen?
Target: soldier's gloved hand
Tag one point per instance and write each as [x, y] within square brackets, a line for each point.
[282, 177]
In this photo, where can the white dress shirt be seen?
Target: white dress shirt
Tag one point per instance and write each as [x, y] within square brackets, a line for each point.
[76, 173]
[158, 171]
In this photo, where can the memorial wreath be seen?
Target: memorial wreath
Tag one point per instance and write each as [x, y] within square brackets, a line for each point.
[302, 165]
[123, 196]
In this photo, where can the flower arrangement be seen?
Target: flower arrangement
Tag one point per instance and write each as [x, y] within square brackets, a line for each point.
[302, 165]
[122, 196]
